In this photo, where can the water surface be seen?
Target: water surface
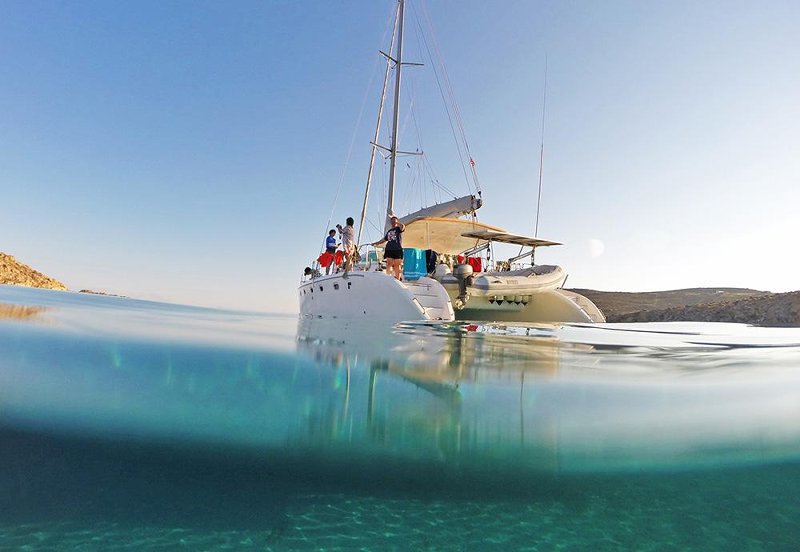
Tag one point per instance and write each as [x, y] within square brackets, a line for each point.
[136, 425]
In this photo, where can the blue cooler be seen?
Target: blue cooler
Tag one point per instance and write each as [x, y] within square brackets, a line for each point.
[414, 266]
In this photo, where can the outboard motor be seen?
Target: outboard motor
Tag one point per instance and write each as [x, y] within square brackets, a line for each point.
[463, 274]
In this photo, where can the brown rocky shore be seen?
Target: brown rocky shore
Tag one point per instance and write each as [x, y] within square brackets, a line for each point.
[13, 272]
[745, 306]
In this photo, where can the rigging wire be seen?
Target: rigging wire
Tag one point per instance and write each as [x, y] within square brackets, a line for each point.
[424, 166]
[375, 148]
[541, 151]
[425, 163]
[447, 106]
[389, 25]
[420, 149]
[435, 180]
[450, 94]
[541, 161]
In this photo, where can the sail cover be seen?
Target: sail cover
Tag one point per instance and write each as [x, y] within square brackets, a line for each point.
[449, 209]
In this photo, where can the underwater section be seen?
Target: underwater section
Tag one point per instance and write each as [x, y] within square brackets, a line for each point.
[127, 423]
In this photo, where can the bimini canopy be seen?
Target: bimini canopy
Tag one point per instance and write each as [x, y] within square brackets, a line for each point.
[453, 236]
[505, 237]
[444, 235]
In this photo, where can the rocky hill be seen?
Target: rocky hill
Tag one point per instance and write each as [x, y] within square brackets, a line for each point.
[745, 306]
[13, 272]
[618, 303]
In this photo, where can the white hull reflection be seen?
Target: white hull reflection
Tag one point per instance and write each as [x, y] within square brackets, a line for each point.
[527, 397]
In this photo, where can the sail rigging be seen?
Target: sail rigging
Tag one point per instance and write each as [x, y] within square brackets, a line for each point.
[425, 179]
[377, 131]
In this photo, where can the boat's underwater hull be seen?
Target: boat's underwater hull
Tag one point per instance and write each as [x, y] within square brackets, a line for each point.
[374, 295]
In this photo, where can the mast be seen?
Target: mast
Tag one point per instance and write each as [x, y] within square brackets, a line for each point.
[398, 63]
[377, 133]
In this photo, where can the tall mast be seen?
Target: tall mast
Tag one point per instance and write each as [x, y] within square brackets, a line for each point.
[377, 132]
[398, 63]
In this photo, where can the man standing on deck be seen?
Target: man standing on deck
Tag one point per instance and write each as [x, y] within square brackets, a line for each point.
[348, 242]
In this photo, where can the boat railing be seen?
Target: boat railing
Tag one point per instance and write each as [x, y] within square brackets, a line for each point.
[369, 258]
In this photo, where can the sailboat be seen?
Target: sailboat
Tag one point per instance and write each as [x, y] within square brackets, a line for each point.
[459, 283]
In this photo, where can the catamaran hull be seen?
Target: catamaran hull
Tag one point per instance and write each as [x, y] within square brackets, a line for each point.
[374, 296]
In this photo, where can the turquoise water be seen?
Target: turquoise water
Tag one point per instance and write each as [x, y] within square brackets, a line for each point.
[130, 425]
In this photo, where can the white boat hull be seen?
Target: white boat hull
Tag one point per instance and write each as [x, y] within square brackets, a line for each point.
[374, 296]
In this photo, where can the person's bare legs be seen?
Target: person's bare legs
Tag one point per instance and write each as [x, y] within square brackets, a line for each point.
[393, 267]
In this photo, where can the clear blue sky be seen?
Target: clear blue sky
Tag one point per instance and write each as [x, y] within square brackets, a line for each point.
[191, 151]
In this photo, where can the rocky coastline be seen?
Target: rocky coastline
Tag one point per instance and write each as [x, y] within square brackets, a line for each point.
[15, 273]
[743, 306]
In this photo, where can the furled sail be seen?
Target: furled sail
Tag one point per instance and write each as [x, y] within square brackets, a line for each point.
[449, 209]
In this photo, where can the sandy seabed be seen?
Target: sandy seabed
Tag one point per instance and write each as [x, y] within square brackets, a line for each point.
[339, 522]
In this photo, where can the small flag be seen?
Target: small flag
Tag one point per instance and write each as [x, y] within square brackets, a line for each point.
[471, 161]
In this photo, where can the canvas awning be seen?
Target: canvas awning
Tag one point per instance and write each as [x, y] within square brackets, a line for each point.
[453, 236]
[505, 237]
[443, 235]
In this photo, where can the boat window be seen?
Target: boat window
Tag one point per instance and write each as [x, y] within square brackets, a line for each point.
[335, 286]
